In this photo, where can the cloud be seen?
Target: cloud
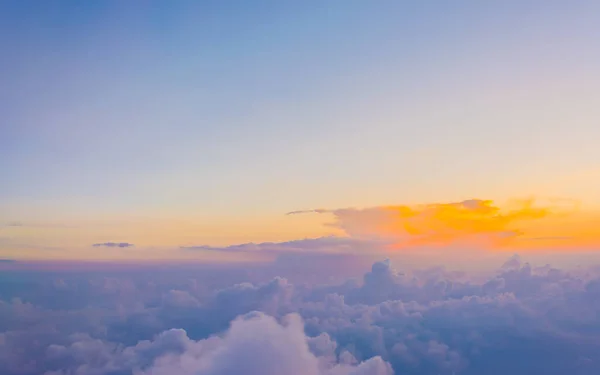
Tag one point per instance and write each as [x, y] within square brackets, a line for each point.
[283, 349]
[328, 244]
[473, 223]
[551, 238]
[195, 320]
[113, 244]
[513, 263]
[180, 298]
[318, 211]
[19, 224]
[271, 297]
[14, 224]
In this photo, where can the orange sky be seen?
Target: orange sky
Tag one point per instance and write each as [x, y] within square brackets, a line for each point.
[519, 225]
[524, 224]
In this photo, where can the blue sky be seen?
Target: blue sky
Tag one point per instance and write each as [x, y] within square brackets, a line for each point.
[251, 109]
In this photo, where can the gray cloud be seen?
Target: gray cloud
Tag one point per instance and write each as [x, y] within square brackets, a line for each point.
[318, 211]
[327, 244]
[113, 244]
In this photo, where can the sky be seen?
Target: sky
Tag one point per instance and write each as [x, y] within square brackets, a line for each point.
[269, 187]
[141, 129]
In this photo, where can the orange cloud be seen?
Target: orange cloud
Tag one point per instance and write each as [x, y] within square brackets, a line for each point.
[478, 223]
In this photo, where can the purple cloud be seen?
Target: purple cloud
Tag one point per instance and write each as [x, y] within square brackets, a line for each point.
[317, 211]
[327, 244]
[113, 244]
[208, 319]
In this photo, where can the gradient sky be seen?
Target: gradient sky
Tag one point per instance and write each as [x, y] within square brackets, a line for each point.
[204, 122]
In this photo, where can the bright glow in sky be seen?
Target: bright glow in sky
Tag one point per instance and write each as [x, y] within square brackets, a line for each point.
[169, 124]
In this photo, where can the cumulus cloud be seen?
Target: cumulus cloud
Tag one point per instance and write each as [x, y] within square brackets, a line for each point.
[520, 319]
[256, 344]
[467, 225]
[473, 222]
[113, 244]
[180, 298]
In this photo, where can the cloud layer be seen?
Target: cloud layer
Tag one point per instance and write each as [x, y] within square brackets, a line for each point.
[521, 319]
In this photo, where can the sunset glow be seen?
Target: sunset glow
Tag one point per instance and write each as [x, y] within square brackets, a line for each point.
[339, 187]
[200, 128]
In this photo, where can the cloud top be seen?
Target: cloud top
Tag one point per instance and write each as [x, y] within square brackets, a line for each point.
[227, 321]
[256, 344]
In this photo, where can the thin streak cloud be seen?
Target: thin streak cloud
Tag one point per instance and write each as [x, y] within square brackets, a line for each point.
[299, 212]
[113, 244]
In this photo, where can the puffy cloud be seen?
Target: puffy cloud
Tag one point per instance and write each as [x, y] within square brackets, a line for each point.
[257, 344]
[474, 222]
[513, 263]
[414, 353]
[180, 298]
[520, 319]
[269, 297]
[87, 355]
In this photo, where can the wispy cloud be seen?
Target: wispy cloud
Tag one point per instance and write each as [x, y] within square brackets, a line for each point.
[11, 224]
[14, 224]
[551, 238]
[328, 244]
[113, 244]
[318, 211]
[21, 224]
